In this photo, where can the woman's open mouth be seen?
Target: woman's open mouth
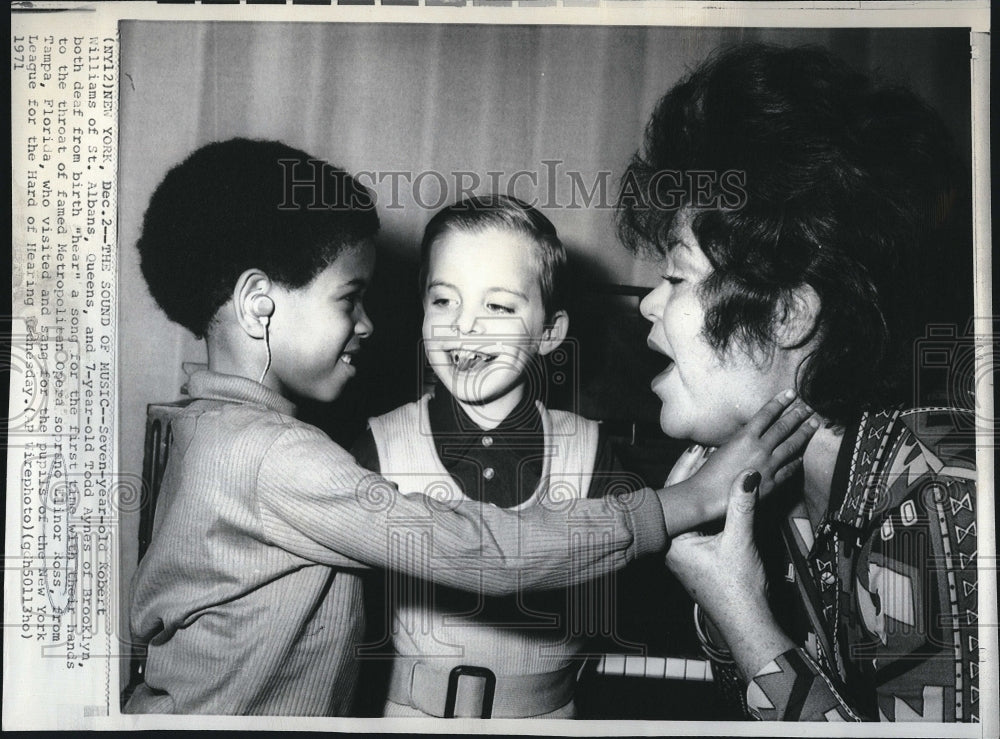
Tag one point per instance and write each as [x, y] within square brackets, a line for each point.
[663, 373]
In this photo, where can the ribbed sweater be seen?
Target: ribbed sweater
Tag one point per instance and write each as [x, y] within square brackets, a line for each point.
[248, 594]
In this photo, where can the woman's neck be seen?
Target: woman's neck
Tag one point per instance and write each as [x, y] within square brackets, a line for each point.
[818, 464]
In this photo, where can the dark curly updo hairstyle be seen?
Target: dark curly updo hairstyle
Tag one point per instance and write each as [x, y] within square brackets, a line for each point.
[238, 204]
[815, 176]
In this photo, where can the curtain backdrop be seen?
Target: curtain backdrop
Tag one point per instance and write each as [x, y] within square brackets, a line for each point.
[385, 98]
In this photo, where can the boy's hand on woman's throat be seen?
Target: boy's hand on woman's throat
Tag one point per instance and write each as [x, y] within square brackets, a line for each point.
[771, 443]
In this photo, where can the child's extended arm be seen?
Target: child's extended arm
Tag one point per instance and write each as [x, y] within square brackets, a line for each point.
[772, 443]
[317, 503]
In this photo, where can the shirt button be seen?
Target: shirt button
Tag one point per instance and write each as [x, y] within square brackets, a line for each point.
[489, 473]
[827, 578]
[487, 441]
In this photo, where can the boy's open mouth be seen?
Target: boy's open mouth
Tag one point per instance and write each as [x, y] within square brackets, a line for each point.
[350, 356]
[465, 360]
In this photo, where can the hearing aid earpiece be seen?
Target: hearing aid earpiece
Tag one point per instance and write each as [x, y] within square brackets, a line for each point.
[262, 307]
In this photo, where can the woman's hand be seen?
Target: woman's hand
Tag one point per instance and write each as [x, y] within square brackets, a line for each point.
[725, 576]
[688, 463]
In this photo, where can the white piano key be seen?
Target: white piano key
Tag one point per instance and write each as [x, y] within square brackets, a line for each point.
[635, 666]
[655, 667]
[694, 669]
[674, 669]
[614, 664]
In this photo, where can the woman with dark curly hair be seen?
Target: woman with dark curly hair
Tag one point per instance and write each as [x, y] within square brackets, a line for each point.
[803, 261]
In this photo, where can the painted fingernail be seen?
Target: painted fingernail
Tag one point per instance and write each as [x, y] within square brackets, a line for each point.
[789, 394]
[751, 482]
[813, 422]
[692, 449]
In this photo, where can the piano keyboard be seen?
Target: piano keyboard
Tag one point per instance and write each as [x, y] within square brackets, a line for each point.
[657, 668]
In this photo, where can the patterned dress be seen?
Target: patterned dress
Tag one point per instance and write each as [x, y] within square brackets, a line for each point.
[882, 594]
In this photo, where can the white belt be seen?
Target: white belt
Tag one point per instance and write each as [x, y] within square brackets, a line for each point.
[471, 691]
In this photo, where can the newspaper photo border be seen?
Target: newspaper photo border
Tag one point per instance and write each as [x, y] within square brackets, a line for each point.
[64, 703]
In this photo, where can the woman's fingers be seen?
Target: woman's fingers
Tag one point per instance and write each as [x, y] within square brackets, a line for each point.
[742, 506]
[687, 464]
[769, 412]
[687, 535]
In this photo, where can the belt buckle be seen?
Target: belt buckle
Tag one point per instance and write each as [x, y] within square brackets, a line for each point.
[471, 671]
